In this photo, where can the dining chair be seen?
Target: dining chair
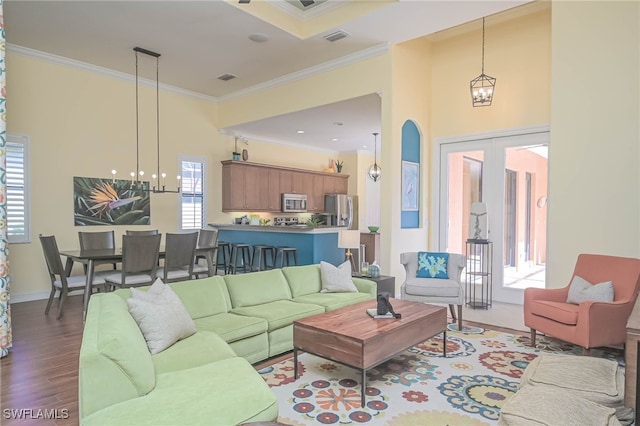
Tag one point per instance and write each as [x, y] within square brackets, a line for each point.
[180, 252]
[207, 243]
[97, 241]
[60, 282]
[140, 254]
[145, 232]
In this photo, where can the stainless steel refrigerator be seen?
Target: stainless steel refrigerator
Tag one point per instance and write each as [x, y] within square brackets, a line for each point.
[341, 210]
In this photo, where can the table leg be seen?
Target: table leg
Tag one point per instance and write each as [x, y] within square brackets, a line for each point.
[87, 287]
[364, 387]
[444, 343]
[68, 267]
[295, 363]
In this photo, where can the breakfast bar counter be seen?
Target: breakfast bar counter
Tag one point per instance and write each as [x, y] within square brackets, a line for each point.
[313, 244]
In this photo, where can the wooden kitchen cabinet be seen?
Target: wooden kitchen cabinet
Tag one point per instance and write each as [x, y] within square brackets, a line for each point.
[274, 200]
[258, 187]
[314, 188]
[247, 188]
[336, 184]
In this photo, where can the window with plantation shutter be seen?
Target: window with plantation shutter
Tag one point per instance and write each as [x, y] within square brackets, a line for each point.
[17, 178]
[192, 211]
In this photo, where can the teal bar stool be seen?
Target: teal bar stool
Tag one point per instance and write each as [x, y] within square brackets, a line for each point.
[288, 256]
[259, 256]
[240, 250]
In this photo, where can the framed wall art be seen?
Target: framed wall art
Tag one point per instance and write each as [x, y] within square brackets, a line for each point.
[99, 201]
[410, 186]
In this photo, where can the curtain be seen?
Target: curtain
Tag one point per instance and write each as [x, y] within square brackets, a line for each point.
[5, 310]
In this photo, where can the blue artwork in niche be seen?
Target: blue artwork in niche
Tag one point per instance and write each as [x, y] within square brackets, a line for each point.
[410, 218]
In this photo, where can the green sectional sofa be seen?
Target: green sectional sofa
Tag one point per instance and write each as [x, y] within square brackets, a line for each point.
[206, 378]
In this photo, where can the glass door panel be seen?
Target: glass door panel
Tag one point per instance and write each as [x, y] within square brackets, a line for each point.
[509, 174]
[524, 217]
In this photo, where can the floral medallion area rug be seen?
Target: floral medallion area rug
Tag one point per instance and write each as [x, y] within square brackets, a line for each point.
[418, 386]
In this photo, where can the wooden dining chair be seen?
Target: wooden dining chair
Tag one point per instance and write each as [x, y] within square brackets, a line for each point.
[145, 232]
[180, 251]
[97, 241]
[60, 282]
[208, 245]
[140, 255]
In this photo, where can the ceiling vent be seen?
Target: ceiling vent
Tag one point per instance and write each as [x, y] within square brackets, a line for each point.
[226, 77]
[335, 36]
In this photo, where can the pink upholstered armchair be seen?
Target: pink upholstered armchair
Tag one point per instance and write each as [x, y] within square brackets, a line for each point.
[589, 324]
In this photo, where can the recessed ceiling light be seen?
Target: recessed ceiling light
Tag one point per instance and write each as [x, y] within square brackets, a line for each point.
[258, 37]
[334, 140]
[300, 131]
[365, 146]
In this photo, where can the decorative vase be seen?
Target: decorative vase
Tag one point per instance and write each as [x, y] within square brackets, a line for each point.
[236, 156]
[245, 155]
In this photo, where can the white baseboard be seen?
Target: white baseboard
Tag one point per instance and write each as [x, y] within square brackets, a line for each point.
[28, 297]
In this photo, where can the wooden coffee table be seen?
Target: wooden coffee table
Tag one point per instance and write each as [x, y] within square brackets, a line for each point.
[351, 337]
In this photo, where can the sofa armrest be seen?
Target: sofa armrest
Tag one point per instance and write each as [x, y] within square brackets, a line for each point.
[366, 286]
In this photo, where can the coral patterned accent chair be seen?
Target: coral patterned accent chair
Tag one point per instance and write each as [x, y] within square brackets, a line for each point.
[590, 323]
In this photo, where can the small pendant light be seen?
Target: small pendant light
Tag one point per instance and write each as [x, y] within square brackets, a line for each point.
[375, 171]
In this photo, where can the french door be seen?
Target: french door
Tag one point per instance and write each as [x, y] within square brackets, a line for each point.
[508, 172]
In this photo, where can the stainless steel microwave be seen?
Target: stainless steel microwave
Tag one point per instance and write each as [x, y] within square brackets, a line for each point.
[294, 203]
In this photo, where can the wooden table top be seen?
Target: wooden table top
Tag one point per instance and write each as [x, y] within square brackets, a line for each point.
[354, 322]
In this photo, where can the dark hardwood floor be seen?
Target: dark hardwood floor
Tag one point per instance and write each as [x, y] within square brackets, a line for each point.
[41, 370]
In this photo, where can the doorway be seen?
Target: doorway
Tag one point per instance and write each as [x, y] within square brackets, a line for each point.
[509, 174]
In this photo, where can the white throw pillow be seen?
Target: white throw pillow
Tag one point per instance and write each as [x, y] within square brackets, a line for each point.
[336, 279]
[582, 290]
[161, 316]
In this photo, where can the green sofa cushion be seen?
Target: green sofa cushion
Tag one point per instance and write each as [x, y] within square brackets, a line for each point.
[116, 362]
[203, 297]
[303, 279]
[257, 288]
[201, 348]
[333, 301]
[280, 313]
[227, 392]
[232, 327]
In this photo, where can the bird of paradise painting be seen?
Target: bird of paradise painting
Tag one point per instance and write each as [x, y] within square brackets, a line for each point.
[109, 202]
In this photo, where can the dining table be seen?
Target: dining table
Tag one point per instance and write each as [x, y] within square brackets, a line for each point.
[94, 257]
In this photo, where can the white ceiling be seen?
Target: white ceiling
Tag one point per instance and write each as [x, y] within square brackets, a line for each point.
[201, 40]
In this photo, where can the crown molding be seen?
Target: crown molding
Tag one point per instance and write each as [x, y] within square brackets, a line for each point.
[60, 60]
[289, 78]
[309, 72]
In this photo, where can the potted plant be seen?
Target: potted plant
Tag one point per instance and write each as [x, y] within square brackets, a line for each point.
[339, 165]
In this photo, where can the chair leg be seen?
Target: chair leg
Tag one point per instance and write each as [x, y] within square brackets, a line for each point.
[586, 351]
[453, 312]
[533, 338]
[459, 317]
[63, 297]
[52, 295]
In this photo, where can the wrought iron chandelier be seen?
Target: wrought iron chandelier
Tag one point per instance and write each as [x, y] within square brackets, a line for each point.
[483, 86]
[137, 177]
[375, 172]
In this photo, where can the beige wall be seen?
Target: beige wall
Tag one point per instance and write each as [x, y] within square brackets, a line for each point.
[594, 155]
[517, 54]
[82, 124]
[411, 91]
